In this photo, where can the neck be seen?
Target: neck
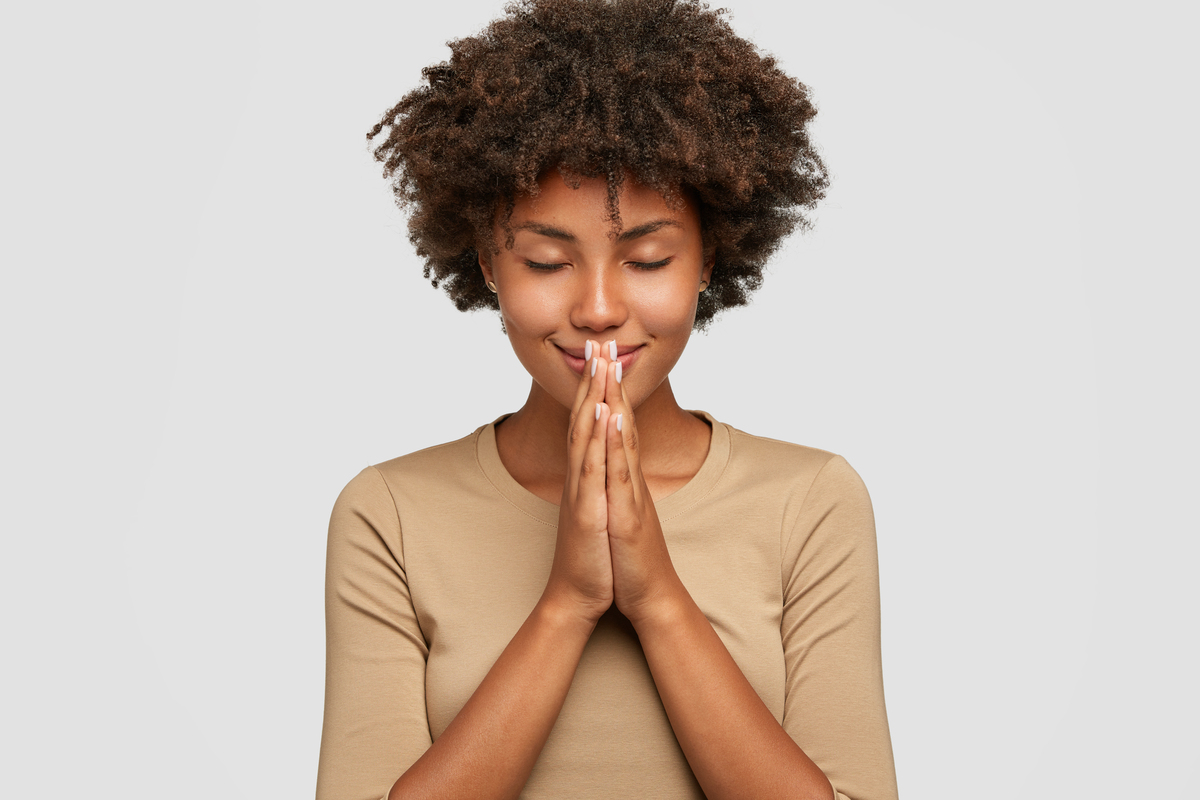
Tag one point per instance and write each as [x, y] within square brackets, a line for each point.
[533, 441]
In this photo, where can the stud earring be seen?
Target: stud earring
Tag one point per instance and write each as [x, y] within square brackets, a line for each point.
[492, 286]
[703, 286]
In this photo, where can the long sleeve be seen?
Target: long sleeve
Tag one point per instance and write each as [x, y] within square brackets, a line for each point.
[834, 705]
[375, 724]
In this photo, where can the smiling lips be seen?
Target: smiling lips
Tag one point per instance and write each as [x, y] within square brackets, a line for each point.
[574, 356]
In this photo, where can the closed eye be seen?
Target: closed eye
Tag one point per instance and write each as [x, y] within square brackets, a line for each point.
[635, 264]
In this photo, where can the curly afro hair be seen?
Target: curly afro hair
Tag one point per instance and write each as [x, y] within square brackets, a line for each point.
[661, 90]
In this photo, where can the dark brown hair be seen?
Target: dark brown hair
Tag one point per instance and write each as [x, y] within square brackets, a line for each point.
[663, 90]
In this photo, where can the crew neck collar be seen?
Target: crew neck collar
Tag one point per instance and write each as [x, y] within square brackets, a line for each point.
[667, 507]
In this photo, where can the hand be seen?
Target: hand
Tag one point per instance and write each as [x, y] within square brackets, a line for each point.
[581, 576]
[644, 579]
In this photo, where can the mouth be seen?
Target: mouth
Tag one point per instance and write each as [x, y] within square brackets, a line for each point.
[625, 355]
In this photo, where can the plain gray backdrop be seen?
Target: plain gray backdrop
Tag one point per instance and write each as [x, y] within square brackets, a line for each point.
[212, 319]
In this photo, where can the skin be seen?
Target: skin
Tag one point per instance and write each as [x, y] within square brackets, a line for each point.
[600, 292]
[570, 279]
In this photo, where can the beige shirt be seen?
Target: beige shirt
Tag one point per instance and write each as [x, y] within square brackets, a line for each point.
[437, 558]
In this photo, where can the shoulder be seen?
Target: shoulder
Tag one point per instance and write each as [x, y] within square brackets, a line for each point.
[433, 480]
[827, 521]
[802, 467]
[374, 483]
[775, 452]
[806, 483]
[432, 463]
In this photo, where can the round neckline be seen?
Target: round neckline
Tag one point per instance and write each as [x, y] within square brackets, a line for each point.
[672, 505]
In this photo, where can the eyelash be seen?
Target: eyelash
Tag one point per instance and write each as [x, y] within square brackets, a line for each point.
[652, 265]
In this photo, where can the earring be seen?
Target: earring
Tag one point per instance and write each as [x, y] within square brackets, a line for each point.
[703, 286]
[491, 286]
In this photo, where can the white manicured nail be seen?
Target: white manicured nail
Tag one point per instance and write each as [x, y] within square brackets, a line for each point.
[595, 361]
[618, 372]
[612, 349]
[619, 421]
[597, 411]
[587, 350]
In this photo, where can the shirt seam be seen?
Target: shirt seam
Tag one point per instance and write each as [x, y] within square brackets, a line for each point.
[785, 534]
[403, 557]
[715, 482]
[501, 492]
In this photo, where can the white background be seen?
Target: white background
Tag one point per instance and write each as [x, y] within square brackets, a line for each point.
[212, 320]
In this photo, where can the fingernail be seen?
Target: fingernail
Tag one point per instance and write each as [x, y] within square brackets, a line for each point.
[587, 350]
[595, 361]
[597, 411]
[612, 349]
[619, 422]
[618, 372]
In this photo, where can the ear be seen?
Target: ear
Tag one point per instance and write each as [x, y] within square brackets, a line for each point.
[706, 272]
[485, 265]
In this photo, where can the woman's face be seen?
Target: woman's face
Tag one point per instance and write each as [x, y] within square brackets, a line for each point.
[572, 276]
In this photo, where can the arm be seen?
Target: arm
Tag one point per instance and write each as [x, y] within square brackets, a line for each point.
[490, 747]
[375, 723]
[834, 704]
[730, 738]
[376, 727]
[732, 742]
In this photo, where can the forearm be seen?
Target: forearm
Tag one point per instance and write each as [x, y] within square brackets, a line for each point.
[732, 742]
[490, 747]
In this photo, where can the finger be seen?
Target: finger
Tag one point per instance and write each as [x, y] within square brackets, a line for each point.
[583, 418]
[585, 379]
[614, 393]
[591, 494]
[621, 478]
[615, 396]
[587, 395]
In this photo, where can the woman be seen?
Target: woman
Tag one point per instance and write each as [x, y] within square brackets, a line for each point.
[601, 594]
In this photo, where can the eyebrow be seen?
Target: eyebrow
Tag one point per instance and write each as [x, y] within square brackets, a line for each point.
[566, 236]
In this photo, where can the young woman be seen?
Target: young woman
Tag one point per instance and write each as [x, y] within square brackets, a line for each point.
[602, 594]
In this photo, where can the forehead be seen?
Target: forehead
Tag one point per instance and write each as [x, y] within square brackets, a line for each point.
[560, 205]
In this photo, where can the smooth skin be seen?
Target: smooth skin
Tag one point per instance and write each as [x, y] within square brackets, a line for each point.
[572, 284]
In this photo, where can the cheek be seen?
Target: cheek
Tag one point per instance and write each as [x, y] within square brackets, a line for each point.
[529, 318]
[527, 312]
[669, 311]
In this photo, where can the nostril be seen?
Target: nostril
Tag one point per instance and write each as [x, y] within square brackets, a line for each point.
[598, 306]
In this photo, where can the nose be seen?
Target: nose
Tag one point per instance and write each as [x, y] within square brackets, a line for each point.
[599, 301]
